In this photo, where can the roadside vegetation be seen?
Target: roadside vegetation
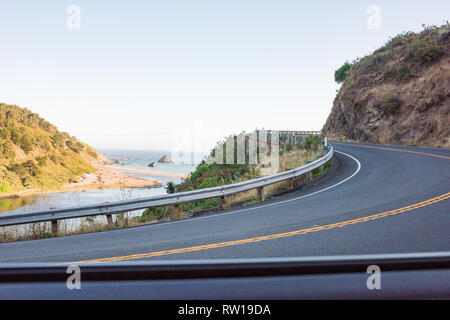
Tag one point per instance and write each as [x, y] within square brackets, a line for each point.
[213, 175]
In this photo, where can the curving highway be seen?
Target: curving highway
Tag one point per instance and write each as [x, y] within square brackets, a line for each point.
[375, 199]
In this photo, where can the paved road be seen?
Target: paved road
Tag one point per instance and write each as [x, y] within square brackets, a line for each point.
[377, 199]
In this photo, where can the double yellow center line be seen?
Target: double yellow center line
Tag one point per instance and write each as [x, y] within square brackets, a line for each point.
[273, 236]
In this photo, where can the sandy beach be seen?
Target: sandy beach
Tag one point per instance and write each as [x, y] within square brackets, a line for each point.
[106, 177]
[149, 173]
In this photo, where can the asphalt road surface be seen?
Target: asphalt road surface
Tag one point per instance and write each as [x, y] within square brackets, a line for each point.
[376, 199]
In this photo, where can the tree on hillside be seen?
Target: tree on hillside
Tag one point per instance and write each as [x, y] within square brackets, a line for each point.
[26, 144]
[341, 74]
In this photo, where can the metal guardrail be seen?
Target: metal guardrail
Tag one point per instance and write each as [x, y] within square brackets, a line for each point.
[282, 132]
[175, 199]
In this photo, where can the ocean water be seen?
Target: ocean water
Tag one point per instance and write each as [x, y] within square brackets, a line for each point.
[138, 160]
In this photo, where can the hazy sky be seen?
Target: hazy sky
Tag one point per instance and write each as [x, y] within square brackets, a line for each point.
[140, 74]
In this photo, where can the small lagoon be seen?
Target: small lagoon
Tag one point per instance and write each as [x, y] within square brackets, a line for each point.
[138, 160]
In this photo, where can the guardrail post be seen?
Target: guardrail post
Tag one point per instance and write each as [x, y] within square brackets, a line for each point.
[261, 193]
[54, 227]
[109, 218]
[222, 203]
[176, 211]
[291, 183]
[308, 176]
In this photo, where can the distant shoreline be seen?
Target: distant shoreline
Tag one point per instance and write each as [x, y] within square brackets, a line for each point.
[106, 177]
[151, 173]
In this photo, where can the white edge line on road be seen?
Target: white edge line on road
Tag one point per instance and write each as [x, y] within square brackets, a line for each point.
[269, 204]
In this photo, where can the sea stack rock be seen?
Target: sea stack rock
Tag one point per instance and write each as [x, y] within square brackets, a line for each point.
[152, 165]
[164, 159]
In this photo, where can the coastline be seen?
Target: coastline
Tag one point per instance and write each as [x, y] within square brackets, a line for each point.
[150, 173]
[105, 177]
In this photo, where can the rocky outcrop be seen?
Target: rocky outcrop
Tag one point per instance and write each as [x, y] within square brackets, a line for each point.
[398, 95]
[164, 159]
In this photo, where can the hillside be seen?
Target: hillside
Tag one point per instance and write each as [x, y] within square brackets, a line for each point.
[34, 154]
[400, 94]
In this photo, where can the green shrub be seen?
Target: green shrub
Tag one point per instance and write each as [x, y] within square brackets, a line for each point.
[54, 158]
[72, 146]
[26, 144]
[401, 73]
[198, 172]
[392, 103]
[153, 214]
[31, 167]
[57, 140]
[371, 64]
[199, 205]
[425, 51]
[15, 136]
[210, 182]
[27, 181]
[79, 145]
[171, 187]
[341, 74]
[42, 161]
[5, 187]
[401, 40]
[18, 169]
[312, 142]
[7, 150]
[5, 133]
